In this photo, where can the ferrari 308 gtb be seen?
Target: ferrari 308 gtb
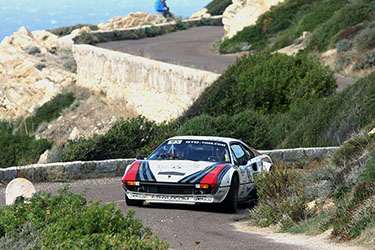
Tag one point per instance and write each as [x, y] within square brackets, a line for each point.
[196, 169]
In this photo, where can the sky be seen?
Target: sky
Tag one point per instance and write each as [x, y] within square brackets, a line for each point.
[49, 14]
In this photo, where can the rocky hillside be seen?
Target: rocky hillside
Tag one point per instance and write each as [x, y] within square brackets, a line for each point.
[36, 66]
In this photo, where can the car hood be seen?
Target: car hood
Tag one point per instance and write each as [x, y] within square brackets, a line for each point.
[178, 171]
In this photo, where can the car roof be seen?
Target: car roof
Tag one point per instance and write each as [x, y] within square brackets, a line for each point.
[208, 138]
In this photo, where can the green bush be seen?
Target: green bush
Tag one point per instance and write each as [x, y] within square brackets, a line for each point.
[18, 148]
[63, 31]
[125, 139]
[351, 14]
[268, 82]
[217, 7]
[87, 38]
[49, 111]
[344, 60]
[351, 149]
[153, 31]
[34, 50]
[248, 126]
[365, 39]
[368, 174]
[354, 212]
[344, 45]
[329, 121]
[281, 198]
[277, 20]
[310, 18]
[367, 60]
[71, 65]
[67, 220]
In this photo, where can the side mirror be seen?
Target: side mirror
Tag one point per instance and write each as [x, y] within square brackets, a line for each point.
[140, 157]
[242, 162]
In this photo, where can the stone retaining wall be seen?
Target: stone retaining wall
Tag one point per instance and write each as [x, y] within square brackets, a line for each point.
[66, 171]
[157, 90]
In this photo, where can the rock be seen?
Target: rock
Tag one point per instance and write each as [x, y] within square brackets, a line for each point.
[23, 39]
[300, 44]
[66, 42]
[132, 20]
[242, 13]
[46, 39]
[43, 158]
[201, 14]
[29, 74]
[74, 134]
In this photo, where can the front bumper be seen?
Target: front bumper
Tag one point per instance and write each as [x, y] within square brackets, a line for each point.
[173, 198]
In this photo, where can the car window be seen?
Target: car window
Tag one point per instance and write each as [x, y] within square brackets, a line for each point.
[195, 150]
[238, 153]
[250, 154]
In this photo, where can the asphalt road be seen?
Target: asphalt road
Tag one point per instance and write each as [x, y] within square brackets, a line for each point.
[185, 227]
[191, 48]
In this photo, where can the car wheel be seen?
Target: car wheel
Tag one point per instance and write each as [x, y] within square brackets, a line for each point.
[129, 202]
[229, 204]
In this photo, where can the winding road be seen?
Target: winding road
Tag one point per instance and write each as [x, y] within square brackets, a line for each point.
[191, 48]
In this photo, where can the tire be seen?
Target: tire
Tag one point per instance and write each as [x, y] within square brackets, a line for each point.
[132, 203]
[229, 205]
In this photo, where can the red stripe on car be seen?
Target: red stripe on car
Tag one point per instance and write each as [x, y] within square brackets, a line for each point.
[211, 177]
[132, 173]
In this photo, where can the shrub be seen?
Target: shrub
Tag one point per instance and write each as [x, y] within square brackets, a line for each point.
[153, 31]
[366, 61]
[71, 65]
[19, 149]
[368, 174]
[350, 15]
[268, 82]
[316, 14]
[277, 20]
[343, 61]
[217, 7]
[49, 111]
[351, 149]
[355, 211]
[40, 66]
[329, 121]
[125, 139]
[248, 126]
[365, 39]
[34, 50]
[281, 197]
[63, 31]
[67, 220]
[344, 45]
[87, 38]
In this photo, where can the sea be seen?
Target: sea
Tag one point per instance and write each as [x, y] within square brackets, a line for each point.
[50, 14]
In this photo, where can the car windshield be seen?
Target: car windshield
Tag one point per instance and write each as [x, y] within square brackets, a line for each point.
[194, 150]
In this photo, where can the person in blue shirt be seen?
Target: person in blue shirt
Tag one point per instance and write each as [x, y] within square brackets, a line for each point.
[162, 8]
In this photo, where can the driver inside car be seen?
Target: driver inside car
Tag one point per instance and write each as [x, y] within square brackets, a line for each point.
[220, 154]
[179, 151]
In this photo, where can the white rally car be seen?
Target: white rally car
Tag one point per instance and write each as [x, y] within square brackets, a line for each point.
[196, 169]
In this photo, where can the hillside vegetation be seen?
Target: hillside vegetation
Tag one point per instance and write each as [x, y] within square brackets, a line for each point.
[217, 7]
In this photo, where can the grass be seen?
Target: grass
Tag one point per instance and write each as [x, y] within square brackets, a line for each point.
[310, 226]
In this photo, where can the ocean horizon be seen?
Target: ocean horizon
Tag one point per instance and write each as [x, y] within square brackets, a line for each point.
[47, 14]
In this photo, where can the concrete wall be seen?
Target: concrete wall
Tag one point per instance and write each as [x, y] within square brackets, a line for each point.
[154, 89]
[55, 172]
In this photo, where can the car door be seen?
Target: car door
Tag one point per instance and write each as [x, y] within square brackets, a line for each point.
[241, 160]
